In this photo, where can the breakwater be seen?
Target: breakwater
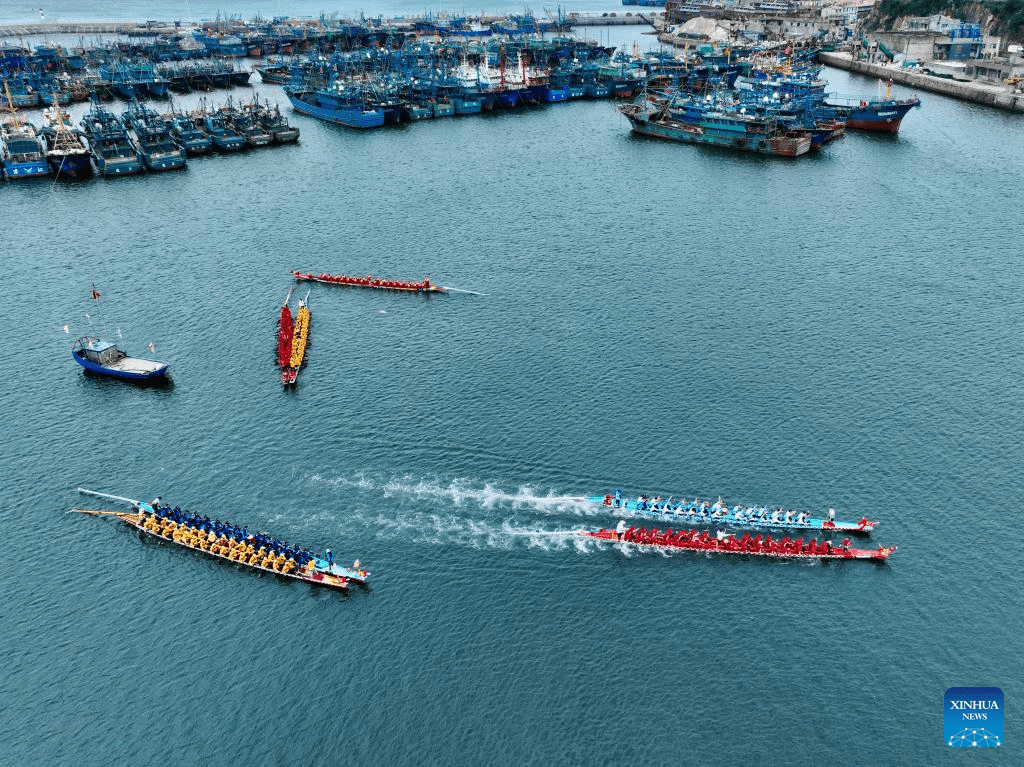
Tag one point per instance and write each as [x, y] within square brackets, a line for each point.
[993, 95]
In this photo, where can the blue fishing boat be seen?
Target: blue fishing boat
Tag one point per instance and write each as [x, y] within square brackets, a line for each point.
[159, 152]
[695, 121]
[341, 103]
[225, 138]
[113, 150]
[106, 358]
[245, 120]
[277, 124]
[187, 136]
[22, 153]
[719, 513]
[66, 150]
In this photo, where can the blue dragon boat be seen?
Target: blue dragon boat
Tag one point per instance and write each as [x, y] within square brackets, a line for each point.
[719, 513]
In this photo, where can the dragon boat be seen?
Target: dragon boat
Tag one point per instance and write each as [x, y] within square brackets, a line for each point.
[222, 540]
[300, 338]
[285, 328]
[727, 543]
[369, 281]
[698, 512]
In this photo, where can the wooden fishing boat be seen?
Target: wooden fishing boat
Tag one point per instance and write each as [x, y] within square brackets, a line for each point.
[727, 543]
[697, 512]
[369, 281]
[300, 339]
[227, 542]
[106, 358]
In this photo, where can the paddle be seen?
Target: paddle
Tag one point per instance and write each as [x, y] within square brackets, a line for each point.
[97, 512]
[107, 496]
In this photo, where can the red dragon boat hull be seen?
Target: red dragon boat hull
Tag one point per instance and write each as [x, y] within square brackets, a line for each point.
[426, 286]
[697, 540]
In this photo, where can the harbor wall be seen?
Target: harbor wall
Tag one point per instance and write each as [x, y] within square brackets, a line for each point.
[999, 96]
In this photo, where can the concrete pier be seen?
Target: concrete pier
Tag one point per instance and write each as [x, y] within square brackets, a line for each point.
[990, 94]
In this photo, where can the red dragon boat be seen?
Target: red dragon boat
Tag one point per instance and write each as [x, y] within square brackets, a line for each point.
[727, 543]
[284, 338]
[369, 281]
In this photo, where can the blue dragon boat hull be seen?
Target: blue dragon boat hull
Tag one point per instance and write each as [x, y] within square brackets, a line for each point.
[757, 518]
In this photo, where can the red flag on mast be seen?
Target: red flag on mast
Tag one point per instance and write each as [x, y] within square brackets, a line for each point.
[95, 294]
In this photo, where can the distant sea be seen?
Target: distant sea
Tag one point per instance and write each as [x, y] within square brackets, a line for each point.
[842, 329]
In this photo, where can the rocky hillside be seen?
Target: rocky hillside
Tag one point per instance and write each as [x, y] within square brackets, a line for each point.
[999, 17]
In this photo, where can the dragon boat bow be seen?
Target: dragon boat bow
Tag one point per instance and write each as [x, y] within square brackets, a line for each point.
[755, 517]
[223, 540]
[727, 543]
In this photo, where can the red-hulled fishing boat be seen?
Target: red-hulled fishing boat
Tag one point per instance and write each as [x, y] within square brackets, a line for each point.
[369, 281]
[727, 543]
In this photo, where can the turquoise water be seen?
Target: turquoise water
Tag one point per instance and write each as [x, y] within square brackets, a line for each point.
[842, 330]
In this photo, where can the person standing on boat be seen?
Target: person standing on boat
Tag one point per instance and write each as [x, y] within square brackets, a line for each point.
[831, 514]
[620, 529]
[329, 556]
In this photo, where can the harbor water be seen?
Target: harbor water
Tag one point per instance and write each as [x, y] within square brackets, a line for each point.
[843, 329]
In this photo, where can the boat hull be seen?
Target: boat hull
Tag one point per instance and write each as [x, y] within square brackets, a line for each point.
[351, 117]
[678, 130]
[70, 165]
[694, 540]
[691, 514]
[370, 282]
[106, 359]
[316, 579]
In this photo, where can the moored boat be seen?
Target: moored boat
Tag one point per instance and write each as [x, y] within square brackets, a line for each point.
[66, 151]
[878, 115]
[350, 105]
[159, 152]
[727, 543]
[223, 540]
[22, 153]
[719, 513]
[106, 358]
[694, 122]
[112, 148]
[369, 281]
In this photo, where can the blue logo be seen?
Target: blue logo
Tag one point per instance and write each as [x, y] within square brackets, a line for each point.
[974, 717]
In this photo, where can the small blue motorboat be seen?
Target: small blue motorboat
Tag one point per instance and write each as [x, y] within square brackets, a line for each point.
[105, 358]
